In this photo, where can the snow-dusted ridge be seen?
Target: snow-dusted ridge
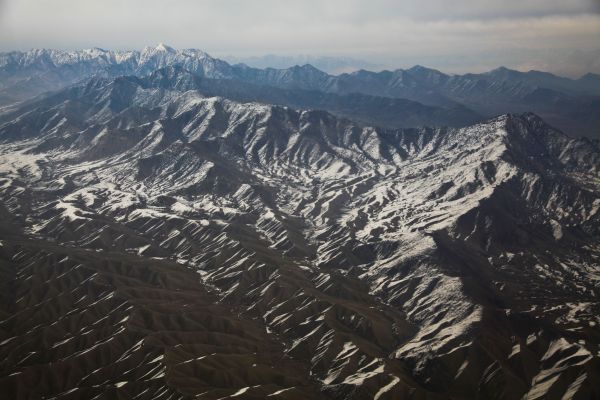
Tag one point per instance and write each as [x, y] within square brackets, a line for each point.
[426, 96]
[368, 262]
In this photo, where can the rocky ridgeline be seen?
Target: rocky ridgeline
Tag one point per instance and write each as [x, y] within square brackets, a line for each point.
[160, 243]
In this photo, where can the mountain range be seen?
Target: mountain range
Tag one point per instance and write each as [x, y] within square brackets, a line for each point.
[174, 227]
[331, 65]
[571, 105]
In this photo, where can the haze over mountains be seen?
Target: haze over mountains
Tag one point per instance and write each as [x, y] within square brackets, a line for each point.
[331, 65]
[571, 105]
[176, 227]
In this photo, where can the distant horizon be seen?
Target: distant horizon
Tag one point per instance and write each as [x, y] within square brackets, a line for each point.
[458, 37]
[232, 59]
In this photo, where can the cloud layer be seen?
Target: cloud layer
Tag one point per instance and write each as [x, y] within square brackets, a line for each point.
[456, 36]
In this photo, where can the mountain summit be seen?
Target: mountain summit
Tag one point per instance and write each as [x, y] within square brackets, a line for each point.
[162, 47]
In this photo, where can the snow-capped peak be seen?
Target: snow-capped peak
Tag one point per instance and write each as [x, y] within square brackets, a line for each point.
[164, 48]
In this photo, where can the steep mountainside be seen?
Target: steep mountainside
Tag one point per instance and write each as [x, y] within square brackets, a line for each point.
[162, 244]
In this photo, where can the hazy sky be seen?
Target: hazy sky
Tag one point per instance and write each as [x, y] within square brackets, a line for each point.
[561, 36]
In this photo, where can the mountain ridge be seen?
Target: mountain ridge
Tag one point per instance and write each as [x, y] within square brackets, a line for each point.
[163, 243]
[569, 104]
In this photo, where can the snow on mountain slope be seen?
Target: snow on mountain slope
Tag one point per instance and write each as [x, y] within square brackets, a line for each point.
[572, 105]
[442, 263]
[24, 75]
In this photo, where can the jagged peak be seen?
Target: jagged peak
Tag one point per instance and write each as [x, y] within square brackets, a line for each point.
[95, 50]
[163, 47]
[532, 120]
[536, 144]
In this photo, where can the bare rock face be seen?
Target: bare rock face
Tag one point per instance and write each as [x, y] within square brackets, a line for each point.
[158, 243]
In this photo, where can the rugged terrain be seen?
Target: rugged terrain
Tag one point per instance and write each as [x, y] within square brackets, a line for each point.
[402, 98]
[158, 242]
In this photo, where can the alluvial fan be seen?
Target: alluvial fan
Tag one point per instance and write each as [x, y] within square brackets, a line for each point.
[158, 243]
